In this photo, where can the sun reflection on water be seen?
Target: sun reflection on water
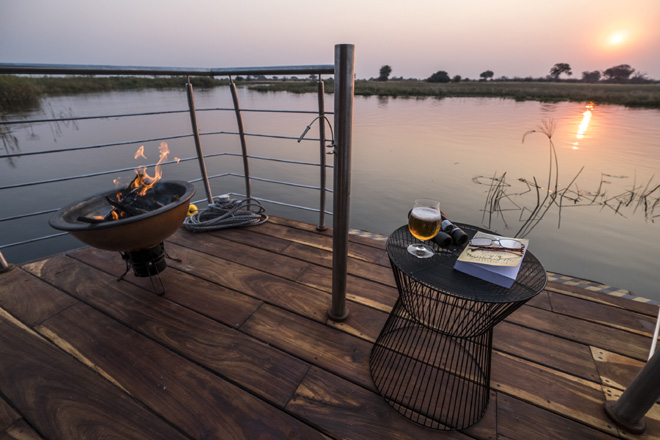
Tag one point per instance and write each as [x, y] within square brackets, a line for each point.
[584, 125]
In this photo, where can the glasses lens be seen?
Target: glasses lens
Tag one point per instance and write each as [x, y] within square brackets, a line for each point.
[481, 242]
[511, 244]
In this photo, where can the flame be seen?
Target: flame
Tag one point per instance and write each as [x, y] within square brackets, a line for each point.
[140, 153]
[144, 182]
[177, 159]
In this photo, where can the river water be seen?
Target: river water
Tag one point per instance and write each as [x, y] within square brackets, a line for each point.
[586, 197]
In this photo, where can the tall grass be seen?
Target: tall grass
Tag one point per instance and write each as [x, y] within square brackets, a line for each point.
[17, 92]
[21, 91]
[630, 95]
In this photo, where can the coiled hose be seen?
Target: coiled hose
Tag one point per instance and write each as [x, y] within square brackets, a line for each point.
[226, 213]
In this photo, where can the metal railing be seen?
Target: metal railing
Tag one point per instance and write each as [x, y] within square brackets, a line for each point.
[343, 70]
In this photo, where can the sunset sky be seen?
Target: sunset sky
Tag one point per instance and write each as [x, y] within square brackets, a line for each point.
[514, 38]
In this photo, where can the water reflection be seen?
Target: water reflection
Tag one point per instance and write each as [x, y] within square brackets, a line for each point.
[584, 125]
[503, 198]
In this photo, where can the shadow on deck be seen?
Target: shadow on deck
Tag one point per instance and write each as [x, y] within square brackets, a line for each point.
[240, 347]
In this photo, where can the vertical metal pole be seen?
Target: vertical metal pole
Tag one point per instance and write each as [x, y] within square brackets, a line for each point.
[321, 98]
[241, 132]
[198, 142]
[344, 90]
[4, 267]
[628, 412]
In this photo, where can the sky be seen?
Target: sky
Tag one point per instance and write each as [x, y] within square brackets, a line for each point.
[416, 38]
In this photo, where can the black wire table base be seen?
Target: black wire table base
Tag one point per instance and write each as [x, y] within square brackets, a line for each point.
[431, 361]
[436, 380]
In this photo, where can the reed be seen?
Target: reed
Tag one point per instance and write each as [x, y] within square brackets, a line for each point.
[503, 198]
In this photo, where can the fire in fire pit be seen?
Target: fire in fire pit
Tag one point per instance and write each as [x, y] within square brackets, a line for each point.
[134, 221]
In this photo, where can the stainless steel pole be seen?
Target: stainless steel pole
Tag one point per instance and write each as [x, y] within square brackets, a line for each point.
[344, 90]
[322, 146]
[4, 267]
[198, 142]
[241, 132]
[628, 412]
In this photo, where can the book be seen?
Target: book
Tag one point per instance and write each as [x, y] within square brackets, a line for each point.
[499, 267]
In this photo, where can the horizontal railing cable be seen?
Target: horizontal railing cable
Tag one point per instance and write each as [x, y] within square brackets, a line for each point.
[32, 240]
[80, 69]
[35, 69]
[161, 112]
[140, 141]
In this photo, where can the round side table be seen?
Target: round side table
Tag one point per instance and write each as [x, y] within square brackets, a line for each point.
[431, 361]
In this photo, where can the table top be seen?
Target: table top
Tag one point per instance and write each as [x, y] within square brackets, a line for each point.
[438, 272]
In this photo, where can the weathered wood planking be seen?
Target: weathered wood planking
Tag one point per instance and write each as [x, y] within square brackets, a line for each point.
[584, 332]
[603, 314]
[318, 344]
[199, 403]
[63, 399]
[30, 299]
[600, 298]
[347, 411]
[545, 349]
[562, 394]
[517, 420]
[263, 369]
[218, 302]
[240, 346]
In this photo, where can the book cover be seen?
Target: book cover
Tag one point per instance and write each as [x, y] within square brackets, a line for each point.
[499, 267]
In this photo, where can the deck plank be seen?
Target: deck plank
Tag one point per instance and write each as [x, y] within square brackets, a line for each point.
[603, 314]
[584, 332]
[318, 344]
[63, 398]
[30, 299]
[264, 286]
[164, 381]
[240, 346]
[342, 408]
[244, 360]
[220, 303]
[560, 394]
[517, 420]
[545, 349]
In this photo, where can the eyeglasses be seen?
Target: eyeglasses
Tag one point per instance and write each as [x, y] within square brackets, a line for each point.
[504, 244]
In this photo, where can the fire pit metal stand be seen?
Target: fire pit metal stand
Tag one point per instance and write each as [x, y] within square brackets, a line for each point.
[148, 262]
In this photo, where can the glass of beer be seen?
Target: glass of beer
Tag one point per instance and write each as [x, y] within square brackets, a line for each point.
[424, 224]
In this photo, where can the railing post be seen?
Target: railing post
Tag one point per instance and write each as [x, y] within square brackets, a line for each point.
[4, 267]
[322, 146]
[344, 90]
[241, 132]
[628, 412]
[198, 142]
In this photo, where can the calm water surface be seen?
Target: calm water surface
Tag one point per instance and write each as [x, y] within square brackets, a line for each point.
[603, 225]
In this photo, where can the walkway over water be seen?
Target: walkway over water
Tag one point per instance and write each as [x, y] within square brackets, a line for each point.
[240, 347]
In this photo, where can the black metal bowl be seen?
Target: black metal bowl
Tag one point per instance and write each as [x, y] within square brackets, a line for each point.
[131, 233]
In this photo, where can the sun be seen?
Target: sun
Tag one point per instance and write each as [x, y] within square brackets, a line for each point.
[616, 39]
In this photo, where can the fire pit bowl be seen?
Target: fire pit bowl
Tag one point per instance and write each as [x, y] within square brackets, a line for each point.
[132, 233]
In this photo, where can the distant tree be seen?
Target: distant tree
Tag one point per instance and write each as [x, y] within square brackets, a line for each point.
[384, 73]
[439, 77]
[618, 73]
[456, 78]
[312, 77]
[486, 75]
[591, 77]
[639, 77]
[560, 68]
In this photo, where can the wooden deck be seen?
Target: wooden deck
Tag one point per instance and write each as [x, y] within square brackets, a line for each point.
[239, 347]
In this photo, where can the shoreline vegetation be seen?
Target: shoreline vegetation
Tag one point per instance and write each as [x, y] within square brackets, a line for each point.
[19, 93]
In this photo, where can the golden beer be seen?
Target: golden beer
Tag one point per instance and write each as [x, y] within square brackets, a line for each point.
[424, 222]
